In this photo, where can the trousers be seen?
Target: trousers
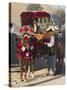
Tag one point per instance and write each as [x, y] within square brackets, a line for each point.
[52, 63]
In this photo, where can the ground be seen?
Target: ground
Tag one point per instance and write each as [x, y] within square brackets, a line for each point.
[40, 79]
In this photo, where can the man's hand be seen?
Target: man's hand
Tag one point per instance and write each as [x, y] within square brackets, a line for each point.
[45, 43]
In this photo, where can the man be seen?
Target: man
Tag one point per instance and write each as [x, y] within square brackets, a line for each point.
[60, 53]
[51, 53]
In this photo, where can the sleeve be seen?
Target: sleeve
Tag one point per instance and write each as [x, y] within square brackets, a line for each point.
[51, 42]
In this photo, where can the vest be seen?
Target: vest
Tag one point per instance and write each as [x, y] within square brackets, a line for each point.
[52, 50]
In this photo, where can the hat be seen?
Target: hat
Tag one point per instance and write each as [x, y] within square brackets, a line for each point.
[50, 28]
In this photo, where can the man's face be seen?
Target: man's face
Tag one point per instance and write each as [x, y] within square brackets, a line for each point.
[50, 33]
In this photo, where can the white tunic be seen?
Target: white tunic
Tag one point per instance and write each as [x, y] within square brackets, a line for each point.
[51, 42]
